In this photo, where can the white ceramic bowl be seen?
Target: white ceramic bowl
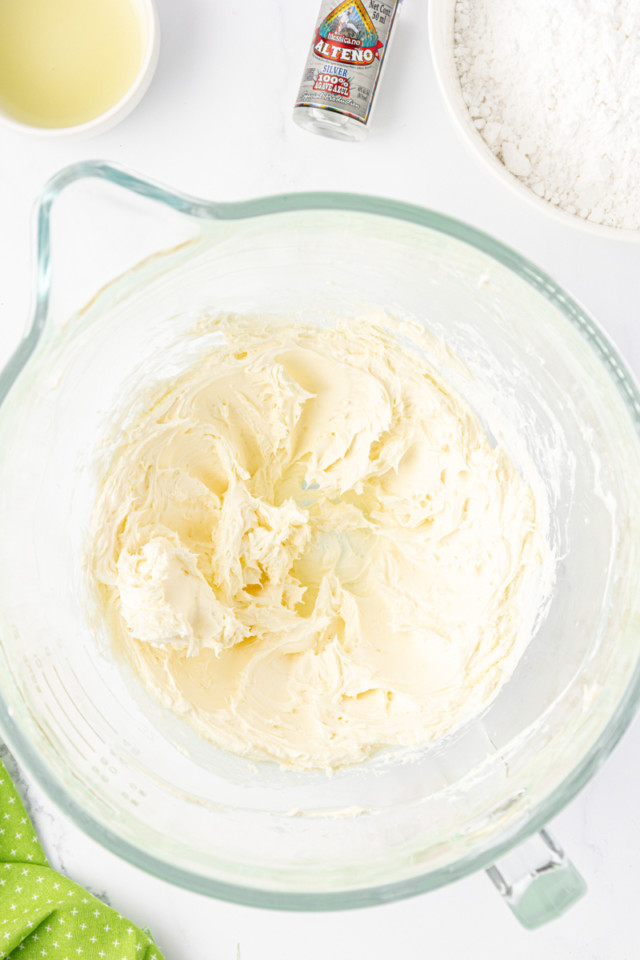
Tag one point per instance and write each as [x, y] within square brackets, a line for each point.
[441, 23]
[123, 107]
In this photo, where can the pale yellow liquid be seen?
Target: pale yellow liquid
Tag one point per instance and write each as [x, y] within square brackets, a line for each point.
[65, 62]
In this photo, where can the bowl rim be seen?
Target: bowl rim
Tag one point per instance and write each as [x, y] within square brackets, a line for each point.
[441, 24]
[593, 335]
[130, 99]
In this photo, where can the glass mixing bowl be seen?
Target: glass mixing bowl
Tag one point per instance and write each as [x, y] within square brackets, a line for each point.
[546, 382]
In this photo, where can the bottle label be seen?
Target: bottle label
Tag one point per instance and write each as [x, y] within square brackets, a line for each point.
[344, 63]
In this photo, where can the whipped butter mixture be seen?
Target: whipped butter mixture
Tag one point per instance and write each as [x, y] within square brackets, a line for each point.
[309, 548]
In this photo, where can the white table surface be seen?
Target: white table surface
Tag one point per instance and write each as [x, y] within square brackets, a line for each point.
[217, 123]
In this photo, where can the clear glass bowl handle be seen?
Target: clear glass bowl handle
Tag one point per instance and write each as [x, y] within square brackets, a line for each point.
[537, 881]
[44, 307]
[114, 175]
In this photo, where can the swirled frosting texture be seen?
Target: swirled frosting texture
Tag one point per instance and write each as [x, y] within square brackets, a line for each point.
[310, 548]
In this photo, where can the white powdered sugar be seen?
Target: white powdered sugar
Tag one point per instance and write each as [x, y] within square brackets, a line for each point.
[553, 86]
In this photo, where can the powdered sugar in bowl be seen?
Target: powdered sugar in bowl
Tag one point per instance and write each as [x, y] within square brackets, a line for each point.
[545, 96]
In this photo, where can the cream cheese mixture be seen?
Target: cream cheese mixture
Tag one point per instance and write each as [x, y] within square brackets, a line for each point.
[309, 548]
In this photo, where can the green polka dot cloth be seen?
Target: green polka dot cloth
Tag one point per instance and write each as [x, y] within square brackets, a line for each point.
[44, 916]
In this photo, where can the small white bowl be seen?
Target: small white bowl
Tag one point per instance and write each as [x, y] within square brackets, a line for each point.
[441, 27]
[123, 107]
